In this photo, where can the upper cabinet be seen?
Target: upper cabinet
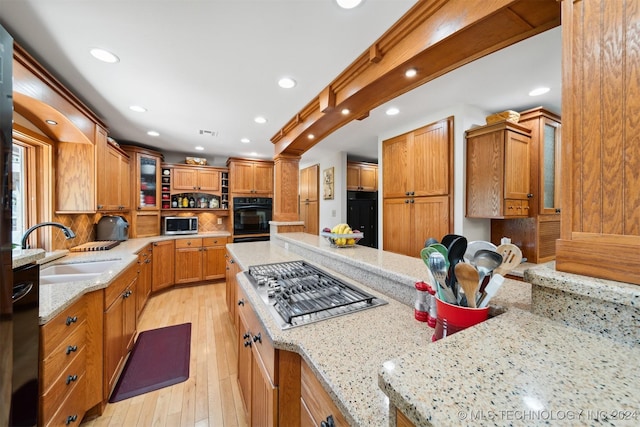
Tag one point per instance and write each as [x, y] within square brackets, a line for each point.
[545, 129]
[252, 177]
[498, 171]
[362, 176]
[189, 178]
[145, 177]
[113, 175]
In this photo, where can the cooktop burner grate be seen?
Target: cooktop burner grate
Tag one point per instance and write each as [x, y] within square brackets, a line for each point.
[299, 293]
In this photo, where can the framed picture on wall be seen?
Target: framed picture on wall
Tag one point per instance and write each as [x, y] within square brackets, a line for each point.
[327, 183]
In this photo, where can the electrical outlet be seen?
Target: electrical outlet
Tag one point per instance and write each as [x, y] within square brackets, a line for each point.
[219, 221]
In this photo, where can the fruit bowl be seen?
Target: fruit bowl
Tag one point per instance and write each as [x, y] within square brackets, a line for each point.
[336, 241]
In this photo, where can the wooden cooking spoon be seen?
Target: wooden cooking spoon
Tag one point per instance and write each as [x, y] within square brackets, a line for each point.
[511, 258]
[468, 278]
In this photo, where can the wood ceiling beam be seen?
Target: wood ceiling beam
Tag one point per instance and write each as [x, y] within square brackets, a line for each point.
[434, 37]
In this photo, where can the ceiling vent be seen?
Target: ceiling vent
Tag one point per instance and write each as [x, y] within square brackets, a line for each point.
[208, 132]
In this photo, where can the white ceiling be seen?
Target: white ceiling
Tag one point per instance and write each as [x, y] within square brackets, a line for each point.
[213, 65]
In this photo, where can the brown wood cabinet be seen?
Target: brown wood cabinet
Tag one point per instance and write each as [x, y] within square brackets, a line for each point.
[232, 269]
[199, 259]
[417, 179]
[190, 178]
[257, 362]
[75, 177]
[402, 420]
[362, 176]
[250, 177]
[316, 405]
[71, 362]
[498, 165]
[120, 322]
[309, 200]
[146, 196]
[145, 264]
[113, 168]
[536, 235]
[164, 266]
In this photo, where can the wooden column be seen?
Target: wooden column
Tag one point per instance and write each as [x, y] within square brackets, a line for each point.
[285, 198]
[600, 226]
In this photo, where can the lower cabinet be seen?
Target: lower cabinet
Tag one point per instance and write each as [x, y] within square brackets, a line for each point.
[119, 324]
[200, 259]
[231, 288]
[402, 420]
[316, 405]
[71, 354]
[162, 271]
[145, 260]
[256, 368]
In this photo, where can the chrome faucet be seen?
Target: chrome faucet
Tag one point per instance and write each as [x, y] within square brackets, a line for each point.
[68, 233]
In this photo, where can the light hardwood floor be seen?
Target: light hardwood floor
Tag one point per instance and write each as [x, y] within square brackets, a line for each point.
[210, 397]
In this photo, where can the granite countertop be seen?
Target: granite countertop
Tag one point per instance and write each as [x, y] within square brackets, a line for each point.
[347, 352]
[54, 298]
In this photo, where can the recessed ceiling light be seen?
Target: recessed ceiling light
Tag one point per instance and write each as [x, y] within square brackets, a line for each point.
[153, 133]
[245, 140]
[311, 136]
[286, 82]
[539, 91]
[137, 109]
[411, 72]
[51, 122]
[104, 55]
[199, 148]
[260, 120]
[392, 111]
[345, 111]
[348, 4]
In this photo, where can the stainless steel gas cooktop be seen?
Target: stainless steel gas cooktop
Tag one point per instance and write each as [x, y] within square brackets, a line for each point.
[298, 293]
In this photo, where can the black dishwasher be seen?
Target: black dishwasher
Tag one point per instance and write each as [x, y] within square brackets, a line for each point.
[26, 332]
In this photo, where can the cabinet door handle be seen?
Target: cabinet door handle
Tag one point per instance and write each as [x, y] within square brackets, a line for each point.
[558, 210]
[329, 422]
[247, 343]
[406, 193]
[530, 196]
[71, 378]
[406, 200]
[72, 348]
[257, 338]
[71, 320]
[240, 302]
[71, 419]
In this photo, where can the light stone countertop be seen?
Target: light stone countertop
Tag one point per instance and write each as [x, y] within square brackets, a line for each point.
[347, 352]
[22, 257]
[54, 298]
[513, 366]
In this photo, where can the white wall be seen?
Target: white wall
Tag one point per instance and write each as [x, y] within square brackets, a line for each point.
[464, 118]
[334, 211]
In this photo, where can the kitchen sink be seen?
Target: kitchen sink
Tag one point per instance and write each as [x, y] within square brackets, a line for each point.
[66, 278]
[75, 272]
[79, 268]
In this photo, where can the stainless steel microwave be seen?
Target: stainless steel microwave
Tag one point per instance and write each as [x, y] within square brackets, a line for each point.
[179, 224]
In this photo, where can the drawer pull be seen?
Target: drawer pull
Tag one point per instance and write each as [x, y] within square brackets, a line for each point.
[71, 320]
[72, 348]
[247, 343]
[246, 335]
[328, 423]
[71, 419]
[241, 302]
[71, 378]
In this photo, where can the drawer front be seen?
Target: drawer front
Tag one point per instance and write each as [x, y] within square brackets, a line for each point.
[70, 379]
[263, 345]
[512, 207]
[117, 287]
[62, 325]
[317, 400]
[214, 241]
[55, 362]
[189, 243]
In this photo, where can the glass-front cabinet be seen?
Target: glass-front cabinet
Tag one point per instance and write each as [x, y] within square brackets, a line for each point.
[550, 167]
[148, 182]
[146, 194]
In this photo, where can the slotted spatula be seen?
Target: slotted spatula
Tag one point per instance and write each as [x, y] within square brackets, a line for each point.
[511, 258]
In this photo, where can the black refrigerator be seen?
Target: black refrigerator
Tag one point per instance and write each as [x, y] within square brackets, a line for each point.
[362, 214]
[6, 279]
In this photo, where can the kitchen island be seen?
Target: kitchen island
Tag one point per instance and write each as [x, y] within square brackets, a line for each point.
[514, 369]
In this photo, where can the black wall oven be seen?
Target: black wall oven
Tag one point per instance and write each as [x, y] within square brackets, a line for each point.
[251, 216]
